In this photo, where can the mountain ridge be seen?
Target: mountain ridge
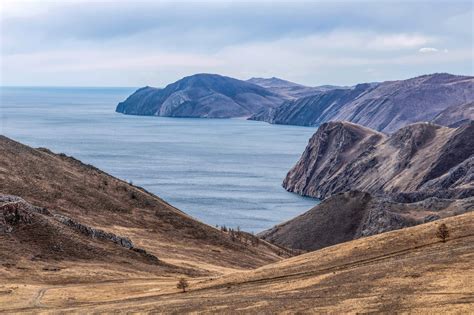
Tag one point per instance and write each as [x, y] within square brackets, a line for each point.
[421, 158]
[385, 106]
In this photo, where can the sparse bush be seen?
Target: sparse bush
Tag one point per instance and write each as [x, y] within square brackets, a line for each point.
[182, 284]
[442, 233]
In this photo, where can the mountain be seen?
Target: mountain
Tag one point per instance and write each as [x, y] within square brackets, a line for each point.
[289, 90]
[56, 212]
[74, 239]
[312, 110]
[456, 115]
[417, 161]
[201, 95]
[402, 271]
[385, 106]
[351, 215]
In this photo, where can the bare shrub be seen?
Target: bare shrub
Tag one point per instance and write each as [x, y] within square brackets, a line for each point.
[442, 233]
[182, 284]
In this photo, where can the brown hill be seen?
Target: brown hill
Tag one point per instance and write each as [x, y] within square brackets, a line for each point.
[403, 271]
[78, 197]
[416, 162]
[351, 215]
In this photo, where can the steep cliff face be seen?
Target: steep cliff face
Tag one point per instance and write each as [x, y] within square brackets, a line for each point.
[385, 107]
[351, 215]
[201, 95]
[422, 158]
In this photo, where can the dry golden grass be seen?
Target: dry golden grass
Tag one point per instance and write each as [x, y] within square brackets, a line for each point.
[404, 271]
[92, 197]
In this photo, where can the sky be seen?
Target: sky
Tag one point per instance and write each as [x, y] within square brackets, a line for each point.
[138, 43]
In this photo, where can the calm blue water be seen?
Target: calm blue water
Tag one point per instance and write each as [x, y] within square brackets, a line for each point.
[219, 171]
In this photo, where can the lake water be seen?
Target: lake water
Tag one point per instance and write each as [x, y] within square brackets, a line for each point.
[227, 172]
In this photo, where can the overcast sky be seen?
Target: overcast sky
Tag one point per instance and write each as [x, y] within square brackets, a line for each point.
[137, 43]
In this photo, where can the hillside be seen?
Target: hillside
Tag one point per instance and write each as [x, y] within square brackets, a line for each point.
[75, 199]
[415, 162]
[408, 270]
[454, 116]
[385, 106]
[352, 215]
[289, 90]
[201, 95]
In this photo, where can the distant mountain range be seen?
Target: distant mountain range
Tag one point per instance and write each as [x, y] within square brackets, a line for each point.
[385, 106]
[291, 90]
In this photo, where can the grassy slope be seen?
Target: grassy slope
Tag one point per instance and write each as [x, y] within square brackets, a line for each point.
[90, 196]
[403, 270]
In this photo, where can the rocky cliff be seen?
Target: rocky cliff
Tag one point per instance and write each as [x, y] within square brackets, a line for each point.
[386, 106]
[201, 95]
[419, 160]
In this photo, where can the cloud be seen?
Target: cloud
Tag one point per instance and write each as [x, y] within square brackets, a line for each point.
[425, 50]
[399, 41]
[141, 42]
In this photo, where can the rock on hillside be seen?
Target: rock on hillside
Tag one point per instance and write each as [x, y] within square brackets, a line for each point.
[41, 234]
[386, 106]
[419, 160]
[351, 215]
[201, 95]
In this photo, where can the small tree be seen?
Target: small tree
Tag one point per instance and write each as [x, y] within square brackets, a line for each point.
[182, 284]
[443, 232]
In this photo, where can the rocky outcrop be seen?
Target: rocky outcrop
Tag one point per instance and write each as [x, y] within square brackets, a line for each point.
[16, 215]
[421, 159]
[386, 106]
[201, 95]
[351, 215]
[95, 233]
